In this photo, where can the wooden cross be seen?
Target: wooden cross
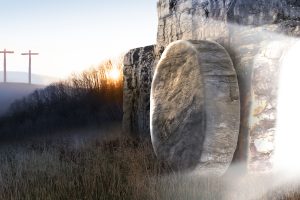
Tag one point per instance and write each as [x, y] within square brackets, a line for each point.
[29, 54]
[4, 63]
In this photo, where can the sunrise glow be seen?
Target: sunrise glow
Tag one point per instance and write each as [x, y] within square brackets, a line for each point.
[72, 36]
[114, 74]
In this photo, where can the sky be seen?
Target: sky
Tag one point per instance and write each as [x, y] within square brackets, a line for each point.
[73, 35]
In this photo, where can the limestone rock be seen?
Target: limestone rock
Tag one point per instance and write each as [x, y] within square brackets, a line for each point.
[245, 28]
[257, 53]
[138, 67]
[263, 12]
[195, 107]
[191, 19]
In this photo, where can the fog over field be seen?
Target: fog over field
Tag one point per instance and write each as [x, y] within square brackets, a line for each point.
[9, 92]
[17, 87]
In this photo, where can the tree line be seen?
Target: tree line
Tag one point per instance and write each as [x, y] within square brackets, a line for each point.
[91, 98]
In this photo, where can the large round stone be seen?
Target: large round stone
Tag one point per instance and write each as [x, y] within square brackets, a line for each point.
[195, 107]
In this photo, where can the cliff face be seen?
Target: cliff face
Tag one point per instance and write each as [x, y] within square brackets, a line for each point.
[257, 53]
[190, 19]
[210, 19]
[138, 70]
[257, 35]
[250, 30]
[262, 12]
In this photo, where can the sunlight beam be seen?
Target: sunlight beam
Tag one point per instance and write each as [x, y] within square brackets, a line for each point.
[288, 135]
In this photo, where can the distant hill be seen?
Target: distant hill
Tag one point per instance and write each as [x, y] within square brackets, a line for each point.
[9, 92]
[22, 77]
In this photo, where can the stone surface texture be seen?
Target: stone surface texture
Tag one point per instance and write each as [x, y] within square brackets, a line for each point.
[191, 19]
[195, 107]
[263, 12]
[138, 70]
[257, 53]
[256, 34]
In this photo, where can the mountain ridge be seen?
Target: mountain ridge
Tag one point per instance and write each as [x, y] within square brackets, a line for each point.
[22, 77]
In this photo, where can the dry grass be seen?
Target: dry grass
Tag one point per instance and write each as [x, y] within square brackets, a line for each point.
[70, 168]
[76, 167]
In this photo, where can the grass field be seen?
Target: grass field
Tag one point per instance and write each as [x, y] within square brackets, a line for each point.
[91, 167]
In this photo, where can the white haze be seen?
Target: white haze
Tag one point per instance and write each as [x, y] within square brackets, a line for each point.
[288, 135]
[286, 175]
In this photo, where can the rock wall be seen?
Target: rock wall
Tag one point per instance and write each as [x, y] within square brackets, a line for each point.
[252, 32]
[190, 19]
[263, 12]
[138, 72]
[257, 52]
[256, 33]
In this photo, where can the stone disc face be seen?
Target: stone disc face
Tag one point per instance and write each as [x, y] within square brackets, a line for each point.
[195, 106]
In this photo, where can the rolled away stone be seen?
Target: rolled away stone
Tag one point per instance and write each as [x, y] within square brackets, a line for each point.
[195, 107]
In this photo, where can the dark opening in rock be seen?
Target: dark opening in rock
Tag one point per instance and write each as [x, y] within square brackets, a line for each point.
[172, 4]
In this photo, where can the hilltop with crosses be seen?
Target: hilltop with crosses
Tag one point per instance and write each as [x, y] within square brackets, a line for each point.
[29, 54]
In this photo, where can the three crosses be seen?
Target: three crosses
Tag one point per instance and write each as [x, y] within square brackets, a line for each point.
[29, 54]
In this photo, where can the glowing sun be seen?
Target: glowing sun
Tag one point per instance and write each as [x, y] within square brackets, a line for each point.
[114, 74]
